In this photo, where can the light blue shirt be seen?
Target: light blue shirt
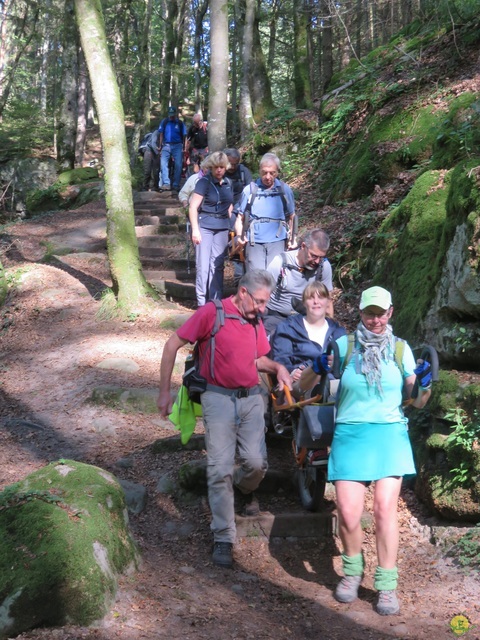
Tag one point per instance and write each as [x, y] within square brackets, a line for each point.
[268, 204]
[357, 402]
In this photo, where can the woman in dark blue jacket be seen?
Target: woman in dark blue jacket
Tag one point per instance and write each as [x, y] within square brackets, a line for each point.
[300, 339]
[210, 209]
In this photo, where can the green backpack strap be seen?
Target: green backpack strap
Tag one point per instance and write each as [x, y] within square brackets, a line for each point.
[398, 355]
[350, 346]
[399, 351]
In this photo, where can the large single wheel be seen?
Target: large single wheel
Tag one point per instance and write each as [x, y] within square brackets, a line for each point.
[311, 486]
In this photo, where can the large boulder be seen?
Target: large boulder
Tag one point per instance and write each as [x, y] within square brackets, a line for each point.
[446, 438]
[27, 174]
[428, 253]
[65, 540]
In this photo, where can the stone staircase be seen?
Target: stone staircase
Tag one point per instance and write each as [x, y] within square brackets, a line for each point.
[161, 230]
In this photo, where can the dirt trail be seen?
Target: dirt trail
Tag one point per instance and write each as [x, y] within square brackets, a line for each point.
[50, 345]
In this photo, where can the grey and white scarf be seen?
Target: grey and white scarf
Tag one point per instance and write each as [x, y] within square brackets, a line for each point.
[375, 348]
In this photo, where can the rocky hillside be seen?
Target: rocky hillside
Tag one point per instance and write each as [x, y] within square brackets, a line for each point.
[392, 171]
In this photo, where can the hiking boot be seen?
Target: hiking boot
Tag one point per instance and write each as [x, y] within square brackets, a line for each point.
[251, 506]
[222, 554]
[246, 504]
[347, 589]
[387, 604]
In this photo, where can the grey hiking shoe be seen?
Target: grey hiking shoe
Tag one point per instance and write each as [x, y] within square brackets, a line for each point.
[251, 506]
[387, 604]
[347, 589]
[246, 504]
[222, 554]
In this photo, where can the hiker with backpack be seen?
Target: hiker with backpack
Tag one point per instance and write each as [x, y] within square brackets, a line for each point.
[240, 177]
[210, 209]
[149, 149]
[371, 442]
[197, 142]
[293, 271]
[265, 216]
[232, 405]
[172, 142]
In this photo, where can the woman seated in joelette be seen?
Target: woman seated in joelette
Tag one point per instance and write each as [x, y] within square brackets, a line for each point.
[299, 340]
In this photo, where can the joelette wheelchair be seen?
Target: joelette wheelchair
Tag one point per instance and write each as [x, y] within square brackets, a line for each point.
[310, 418]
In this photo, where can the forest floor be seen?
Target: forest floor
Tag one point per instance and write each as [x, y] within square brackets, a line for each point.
[51, 343]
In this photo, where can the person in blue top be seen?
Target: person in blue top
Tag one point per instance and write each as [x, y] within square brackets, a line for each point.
[371, 442]
[210, 208]
[301, 339]
[265, 216]
[172, 143]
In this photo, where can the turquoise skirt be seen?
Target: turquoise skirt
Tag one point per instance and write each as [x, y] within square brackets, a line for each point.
[367, 452]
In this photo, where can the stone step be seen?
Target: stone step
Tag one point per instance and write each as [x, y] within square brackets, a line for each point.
[173, 209]
[165, 229]
[164, 220]
[172, 288]
[146, 197]
[166, 259]
[177, 230]
[161, 241]
[170, 274]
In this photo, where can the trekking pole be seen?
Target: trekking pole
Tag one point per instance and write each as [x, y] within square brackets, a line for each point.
[187, 240]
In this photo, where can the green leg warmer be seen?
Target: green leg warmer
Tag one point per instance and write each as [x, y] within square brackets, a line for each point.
[353, 565]
[386, 579]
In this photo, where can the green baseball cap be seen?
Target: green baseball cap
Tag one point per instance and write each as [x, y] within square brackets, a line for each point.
[376, 297]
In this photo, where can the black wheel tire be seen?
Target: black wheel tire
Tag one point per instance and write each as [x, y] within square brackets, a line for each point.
[311, 486]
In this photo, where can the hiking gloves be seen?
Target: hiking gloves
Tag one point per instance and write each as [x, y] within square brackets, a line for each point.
[320, 365]
[424, 374]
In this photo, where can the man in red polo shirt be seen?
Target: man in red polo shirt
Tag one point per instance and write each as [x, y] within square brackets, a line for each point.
[232, 405]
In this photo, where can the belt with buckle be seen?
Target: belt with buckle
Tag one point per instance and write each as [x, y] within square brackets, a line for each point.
[239, 392]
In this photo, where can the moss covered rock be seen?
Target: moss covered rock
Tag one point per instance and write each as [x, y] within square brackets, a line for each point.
[447, 452]
[77, 176]
[406, 250]
[65, 540]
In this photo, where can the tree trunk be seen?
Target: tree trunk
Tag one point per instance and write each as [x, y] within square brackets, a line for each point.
[236, 44]
[81, 109]
[246, 113]
[171, 15]
[199, 15]
[44, 50]
[3, 285]
[67, 117]
[120, 48]
[128, 281]
[142, 121]
[273, 33]
[179, 32]
[23, 33]
[218, 88]
[311, 51]
[300, 67]
[260, 89]
[327, 50]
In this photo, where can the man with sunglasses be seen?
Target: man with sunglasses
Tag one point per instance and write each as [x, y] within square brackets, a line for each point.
[232, 405]
[292, 271]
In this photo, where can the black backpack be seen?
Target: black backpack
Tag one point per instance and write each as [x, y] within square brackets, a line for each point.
[195, 383]
[144, 142]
